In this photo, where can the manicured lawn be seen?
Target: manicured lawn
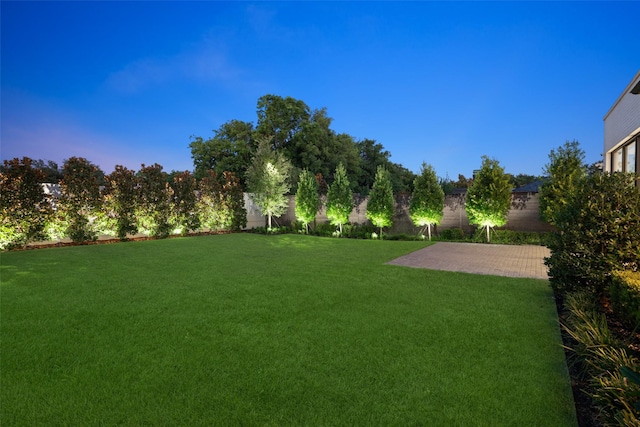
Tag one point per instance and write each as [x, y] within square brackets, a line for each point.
[272, 330]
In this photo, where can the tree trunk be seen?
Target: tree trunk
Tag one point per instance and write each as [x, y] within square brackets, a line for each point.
[488, 236]
[429, 226]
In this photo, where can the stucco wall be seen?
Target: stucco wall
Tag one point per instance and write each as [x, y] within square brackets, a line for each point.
[622, 121]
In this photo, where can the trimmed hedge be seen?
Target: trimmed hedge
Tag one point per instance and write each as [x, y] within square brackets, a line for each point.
[624, 294]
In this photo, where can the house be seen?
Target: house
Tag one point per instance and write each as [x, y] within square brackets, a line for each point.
[622, 131]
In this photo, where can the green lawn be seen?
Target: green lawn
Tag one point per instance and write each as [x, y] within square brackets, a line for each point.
[248, 330]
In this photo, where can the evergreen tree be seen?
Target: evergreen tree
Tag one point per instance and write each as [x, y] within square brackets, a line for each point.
[380, 207]
[427, 203]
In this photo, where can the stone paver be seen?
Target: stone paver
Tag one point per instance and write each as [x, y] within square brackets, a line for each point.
[479, 258]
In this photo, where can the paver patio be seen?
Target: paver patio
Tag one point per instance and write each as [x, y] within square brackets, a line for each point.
[480, 258]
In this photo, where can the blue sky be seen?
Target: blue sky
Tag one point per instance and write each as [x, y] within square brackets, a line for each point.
[437, 82]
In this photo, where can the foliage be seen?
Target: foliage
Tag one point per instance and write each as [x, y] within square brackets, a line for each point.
[565, 172]
[453, 234]
[597, 232]
[307, 198]
[602, 358]
[120, 200]
[185, 217]
[80, 202]
[624, 294]
[24, 207]
[234, 200]
[427, 202]
[381, 204]
[212, 210]
[268, 180]
[229, 150]
[489, 197]
[153, 207]
[339, 198]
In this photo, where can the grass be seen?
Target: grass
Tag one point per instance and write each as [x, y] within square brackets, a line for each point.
[284, 330]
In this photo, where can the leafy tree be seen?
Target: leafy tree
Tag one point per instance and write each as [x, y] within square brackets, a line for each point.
[281, 119]
[184, 202]
[234, 200]
[153, 207]
[598, 230]
[372, 155]
[52, 172]
[427, 203]
[230, 149]
[380, 207]
[120, 200]
[489, 197]
[268, 180]
[307, 199]
[24, 207]
[339, 198]
[80, 201]
[565, 171]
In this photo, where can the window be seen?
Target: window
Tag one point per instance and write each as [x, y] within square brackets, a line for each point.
[631, 157]
[617, 160]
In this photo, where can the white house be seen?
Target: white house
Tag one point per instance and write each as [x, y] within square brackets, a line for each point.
[622, 131]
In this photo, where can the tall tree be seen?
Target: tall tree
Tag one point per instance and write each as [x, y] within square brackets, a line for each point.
[120, 200]
[339, 198]
[212, 210]
[380, 207]
[427, 202]
[489, 197]
[268, 180]
[80, 201]
[234, 201]
[24, 207]
[281, 119]
[307, 198]
[566, 171]
[230, 149]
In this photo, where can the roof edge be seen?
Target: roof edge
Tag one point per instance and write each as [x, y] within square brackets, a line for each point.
[628, 89]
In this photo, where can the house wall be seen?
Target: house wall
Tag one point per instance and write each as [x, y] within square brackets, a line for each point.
[622, 124]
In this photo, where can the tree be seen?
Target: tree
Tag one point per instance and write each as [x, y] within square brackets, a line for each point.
[212, 211]
[153, 206]
[120, 200]
[281, 119]
[427, 203]
[230, 149]
[565, 171]
[380, 207]
[339, 198]
[24, 207]
[307, 199]
[489, 197]
[268, 180]
[184, 203]
[80, 201]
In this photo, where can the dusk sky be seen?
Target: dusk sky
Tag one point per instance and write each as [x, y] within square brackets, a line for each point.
[437, 82]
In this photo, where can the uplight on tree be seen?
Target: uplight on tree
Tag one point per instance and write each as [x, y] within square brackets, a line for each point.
[427, 202]
[268, 180]
[339, 198]
[380, 208]
[489, 197]
[307, 199]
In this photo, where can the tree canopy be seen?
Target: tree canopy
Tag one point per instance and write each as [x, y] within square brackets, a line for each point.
[380, 207]
[427, 202]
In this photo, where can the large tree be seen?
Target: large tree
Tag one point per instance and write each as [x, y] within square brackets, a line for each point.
[230, 149]
[268, 180]
[381, 205]
[565, 174]
[339, 198]
[427, 202]
[307, 198]
[489, 197]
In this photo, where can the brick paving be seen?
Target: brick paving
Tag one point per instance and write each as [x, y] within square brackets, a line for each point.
[479, 258]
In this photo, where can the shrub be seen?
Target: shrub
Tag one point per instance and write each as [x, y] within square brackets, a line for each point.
[598, 232]
[120, 200]
[153, 207]
[602, 359]
[624, 293]
[185, 217]
[452, 234]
